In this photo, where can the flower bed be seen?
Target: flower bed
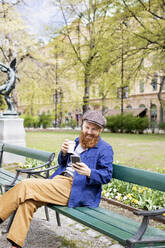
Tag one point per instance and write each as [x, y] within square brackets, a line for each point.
[134, 195]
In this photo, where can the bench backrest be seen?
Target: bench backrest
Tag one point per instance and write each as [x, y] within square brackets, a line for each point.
[141, 177]
[27, 152]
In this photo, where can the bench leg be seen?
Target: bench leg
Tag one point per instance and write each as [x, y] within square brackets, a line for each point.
[129, 246]
[58, 219]
[46, 213]
[1, 189]
[9, 223]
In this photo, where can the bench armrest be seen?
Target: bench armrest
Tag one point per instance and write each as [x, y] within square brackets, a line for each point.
[34, 171]
[150, 213]
[144, 224]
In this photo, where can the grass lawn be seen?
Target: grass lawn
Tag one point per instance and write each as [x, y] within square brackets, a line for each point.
[142, 151]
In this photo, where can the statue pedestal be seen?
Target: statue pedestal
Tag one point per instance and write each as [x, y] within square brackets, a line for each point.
[12, 132]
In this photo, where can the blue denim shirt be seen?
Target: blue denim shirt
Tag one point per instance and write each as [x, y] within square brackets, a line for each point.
[87, 191]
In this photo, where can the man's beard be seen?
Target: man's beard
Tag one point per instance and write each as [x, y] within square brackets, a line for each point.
[88, 143]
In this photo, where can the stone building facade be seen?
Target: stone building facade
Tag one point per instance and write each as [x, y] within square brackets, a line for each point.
[141, 100]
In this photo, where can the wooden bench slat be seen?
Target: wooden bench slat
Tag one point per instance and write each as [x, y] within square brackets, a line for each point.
[107, 222]
[121, 221]
[141, 177]
[6, 172]
[110, 218]
[109, 230]
[28, 152]
[7, 177]
[9, 174]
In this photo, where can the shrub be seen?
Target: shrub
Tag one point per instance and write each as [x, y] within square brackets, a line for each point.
[127, 123]
[114, 123]
[63, 125]
[36, 122]
[162, 125]
[72, 123]
[141, 124]
[45, 120]
[28, 121]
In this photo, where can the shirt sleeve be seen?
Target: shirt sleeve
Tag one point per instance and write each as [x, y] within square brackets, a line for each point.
[103, 172]
[62, 159]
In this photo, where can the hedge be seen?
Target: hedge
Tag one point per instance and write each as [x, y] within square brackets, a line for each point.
[126, 123]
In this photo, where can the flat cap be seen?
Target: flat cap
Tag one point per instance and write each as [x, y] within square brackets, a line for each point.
[94, 117]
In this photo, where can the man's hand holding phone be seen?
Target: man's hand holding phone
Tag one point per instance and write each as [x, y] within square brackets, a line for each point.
[79, 166]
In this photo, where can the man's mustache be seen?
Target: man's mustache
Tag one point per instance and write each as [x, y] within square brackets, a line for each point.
[91, 135]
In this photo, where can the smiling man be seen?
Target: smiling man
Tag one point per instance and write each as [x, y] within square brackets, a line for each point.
[72, 184]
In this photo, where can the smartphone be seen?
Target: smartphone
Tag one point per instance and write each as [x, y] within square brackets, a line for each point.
[75, 159]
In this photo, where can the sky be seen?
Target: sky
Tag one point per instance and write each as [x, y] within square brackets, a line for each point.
[41, 16]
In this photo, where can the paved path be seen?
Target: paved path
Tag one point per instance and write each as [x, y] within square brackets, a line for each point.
[44, 234]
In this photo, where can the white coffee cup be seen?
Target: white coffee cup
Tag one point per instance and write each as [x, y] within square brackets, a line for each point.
[71, 146]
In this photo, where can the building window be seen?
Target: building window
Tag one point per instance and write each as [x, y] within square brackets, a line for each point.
[154, 82]
[142, 106]
[141, 86]
[122, 92]
[162, 80]
[153, 113]
[129, 107]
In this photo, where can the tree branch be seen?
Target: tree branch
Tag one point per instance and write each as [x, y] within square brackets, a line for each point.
[133, 14]
[6, 58]
[149, 11]
[68, 35]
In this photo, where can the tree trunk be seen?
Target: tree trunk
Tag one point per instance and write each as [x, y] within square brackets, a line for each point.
[86, 94]
[103, 104]
[162, 104]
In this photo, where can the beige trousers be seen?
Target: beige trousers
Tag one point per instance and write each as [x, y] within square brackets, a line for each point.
[26, 197]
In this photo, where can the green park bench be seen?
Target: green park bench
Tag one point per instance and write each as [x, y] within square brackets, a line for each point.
[8, 179]
[127, 231]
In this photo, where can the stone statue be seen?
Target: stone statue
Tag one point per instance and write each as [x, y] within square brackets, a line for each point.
[7, 87]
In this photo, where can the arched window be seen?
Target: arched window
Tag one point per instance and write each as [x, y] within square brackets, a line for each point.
[142, 106]
[141, 86]
[153, 113]
[129, 107]
[154, 82]
[162, 81]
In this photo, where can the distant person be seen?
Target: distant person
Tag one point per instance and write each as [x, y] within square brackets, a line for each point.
[72, 184]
